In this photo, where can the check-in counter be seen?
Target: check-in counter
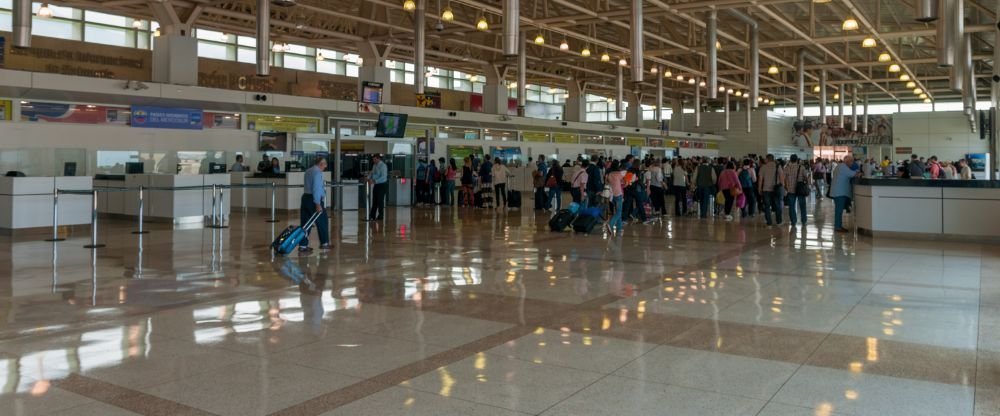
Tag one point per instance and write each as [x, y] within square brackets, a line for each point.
[288, 190]
[955, 208]
[400, 192]
[26, 202]
[161, 201]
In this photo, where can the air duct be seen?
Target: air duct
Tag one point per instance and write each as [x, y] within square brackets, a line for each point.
[969, 92]
[637, 65]
[659, 93]
[697, 105]
[522, 74]
[619, 92]
[711, 35]
[927, 11]
[854, 107]
[22, 24]
[725, 104]
[955, 38]
[822, 96]
[841, 94]
[511, 27]
[800, 93]
[419, 47]
[945, 42]
[749, 102]
[263, 37]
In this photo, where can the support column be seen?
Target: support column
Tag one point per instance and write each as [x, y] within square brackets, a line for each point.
[576, 102]
[494, 92]
[373, 69]
[633, 115]
[175, 55]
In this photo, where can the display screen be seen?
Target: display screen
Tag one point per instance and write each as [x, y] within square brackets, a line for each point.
[371, 92]
[272, 141]
[391, 125]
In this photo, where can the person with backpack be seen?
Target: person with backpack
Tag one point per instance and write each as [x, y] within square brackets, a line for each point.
[614, 179]
[748, 177]
[422, 188]
[772, 187]
[595, 183]
[553, 181]
[797, 177]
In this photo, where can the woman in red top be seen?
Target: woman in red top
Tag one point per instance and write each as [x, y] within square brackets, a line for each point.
[729, 184]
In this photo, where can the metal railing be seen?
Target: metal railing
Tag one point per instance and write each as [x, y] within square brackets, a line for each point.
[218, 194]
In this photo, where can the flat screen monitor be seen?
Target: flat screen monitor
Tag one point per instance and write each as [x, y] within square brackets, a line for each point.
[134, 167]
[69, 169]
[272, 141]
[371, 92]
[293, 166]
[391, 125]
[216, 168]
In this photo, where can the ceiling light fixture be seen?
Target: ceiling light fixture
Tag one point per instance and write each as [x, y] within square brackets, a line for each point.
[680, 77]
[911, 84]
[927, 100]
[884, 57]
[564, 45]
[894, 68]
[539, 39]
[869, 42]
[156, 33]
[918, 91]
[722, 89]
[44, 11]
[447, 15]
[409, 5]
[773, 70]
[904, 77]
[739, 93]
[691, 81]
[610, 100]
[836, 96]
[668, 73]
[729, 91]
[585, 52]
[816, 88]
[772, 101]
[605, 57]
[622, 62]
[482, 24]
[924, 95]
[320, 57]
[702, 84]
[718, 45]
[136, 24]
[653, 70]
[849, 24]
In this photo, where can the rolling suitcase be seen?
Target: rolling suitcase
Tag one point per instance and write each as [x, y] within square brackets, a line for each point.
[289, 239]
[514, 199]
[585, 224]
[561, 220]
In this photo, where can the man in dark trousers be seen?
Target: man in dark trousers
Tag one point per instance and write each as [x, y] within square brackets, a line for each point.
[378, 178]
[313, 201]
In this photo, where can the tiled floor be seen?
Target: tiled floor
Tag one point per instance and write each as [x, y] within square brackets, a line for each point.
[442, 311]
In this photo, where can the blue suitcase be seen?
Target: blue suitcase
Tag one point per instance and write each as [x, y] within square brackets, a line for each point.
[289, 239]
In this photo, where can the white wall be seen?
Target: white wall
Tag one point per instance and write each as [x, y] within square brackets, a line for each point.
[942, 134]
[779, 137]
[738, 142]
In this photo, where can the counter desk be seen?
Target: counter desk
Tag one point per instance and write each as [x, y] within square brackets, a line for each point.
[26, 202]
[288, 190]
[930, 208]
[178, 206]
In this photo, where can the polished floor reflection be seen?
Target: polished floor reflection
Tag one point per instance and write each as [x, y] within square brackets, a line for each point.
[441, 311]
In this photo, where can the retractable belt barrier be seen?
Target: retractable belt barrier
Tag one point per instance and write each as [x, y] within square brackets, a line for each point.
[217, 220]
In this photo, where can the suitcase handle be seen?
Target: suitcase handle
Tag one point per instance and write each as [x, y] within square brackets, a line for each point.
[312, 220]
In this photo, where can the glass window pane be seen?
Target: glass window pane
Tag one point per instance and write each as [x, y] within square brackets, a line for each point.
[55, 28]
[215, 51]
[59, 11]
[213, 36]
[352, 70]
[299, 49]
[108, 19]
[109, 35]
[7, 4]
[5, 21]
[246, 55]
[297, 62]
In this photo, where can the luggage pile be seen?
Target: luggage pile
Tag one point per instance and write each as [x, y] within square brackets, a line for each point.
[583, 220]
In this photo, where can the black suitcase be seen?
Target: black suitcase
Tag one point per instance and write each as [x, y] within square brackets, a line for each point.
[561, 220]
[585, 224]
[478, 199]
[514, 199]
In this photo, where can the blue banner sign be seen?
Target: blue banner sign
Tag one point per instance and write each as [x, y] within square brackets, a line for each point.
[166, 117]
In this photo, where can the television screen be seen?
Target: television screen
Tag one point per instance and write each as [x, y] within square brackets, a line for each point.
[272, 141]
[371, 92]
[391, 125]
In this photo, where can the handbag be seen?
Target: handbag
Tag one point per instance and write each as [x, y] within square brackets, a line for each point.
[720, 198]
[551, 182]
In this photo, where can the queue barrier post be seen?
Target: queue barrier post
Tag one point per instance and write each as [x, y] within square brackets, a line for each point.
[273, 189]
[142, 211]
[93, 224]
[222, 217]
[55, 217]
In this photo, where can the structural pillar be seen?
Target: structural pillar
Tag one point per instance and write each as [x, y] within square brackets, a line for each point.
[175, 56]
[494, 92]
[373, 70]
[576, 102]
[633, 114]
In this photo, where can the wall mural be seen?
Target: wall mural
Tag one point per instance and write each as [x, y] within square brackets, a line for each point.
[812, 132]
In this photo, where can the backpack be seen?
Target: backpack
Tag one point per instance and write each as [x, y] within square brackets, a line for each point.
[594, 182]
[421, 172]
[745, 181]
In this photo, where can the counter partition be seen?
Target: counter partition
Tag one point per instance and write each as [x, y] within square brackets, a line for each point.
[26, 202]
[930, 208]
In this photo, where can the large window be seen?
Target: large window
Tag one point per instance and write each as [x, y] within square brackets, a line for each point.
[88, 26]
[603, 108]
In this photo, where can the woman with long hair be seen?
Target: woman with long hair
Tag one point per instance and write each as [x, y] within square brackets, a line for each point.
[467, 180]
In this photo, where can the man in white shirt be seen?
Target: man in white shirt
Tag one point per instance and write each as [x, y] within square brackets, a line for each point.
[578, 184]
[679, 188]
[238, 166]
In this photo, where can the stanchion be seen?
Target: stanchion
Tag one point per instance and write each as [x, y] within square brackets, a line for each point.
[213, 223]
[93, 224]
[142, 210]
[272, 204]
[368, 201]
[216, 207]
[222, 217]
[55, 217]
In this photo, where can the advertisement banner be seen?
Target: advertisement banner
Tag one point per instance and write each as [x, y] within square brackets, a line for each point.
[505, 153]
[230, 121]
[565, 138]
[636, 141]
[261, 122]
[429, 100]
[166, 117]
[812, 132]
[43, 112]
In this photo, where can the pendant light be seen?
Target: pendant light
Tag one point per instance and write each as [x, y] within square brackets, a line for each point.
[923, 95]
[869, 42]
[904, 77]
[409, 5]
[653, 70]
[691, 81]
[816, 88]
[482, 24]
[605, 57]
[849, 24]
[447, 15]
[773, 70]
[585, 52]
[668, 73]
[564, 46]
[911, 84]
[44, 11]
[539, 39]
[917, 91]
[622, 62]
[884, 57]
[894, 68]
[927, 100]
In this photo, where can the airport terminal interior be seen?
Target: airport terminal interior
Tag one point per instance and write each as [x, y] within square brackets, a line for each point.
[499, 207]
